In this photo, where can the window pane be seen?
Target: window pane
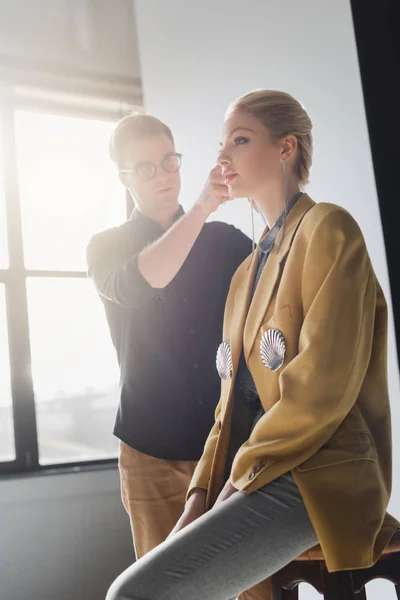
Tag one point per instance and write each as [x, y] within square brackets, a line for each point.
[3, 236]
[74, 368]
[69, 188]
[7, 447]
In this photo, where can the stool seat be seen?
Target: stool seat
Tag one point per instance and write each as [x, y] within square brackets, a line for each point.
[315, 553]
[310, 568]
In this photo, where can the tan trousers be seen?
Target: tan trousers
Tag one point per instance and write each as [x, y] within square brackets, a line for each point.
[153, 493]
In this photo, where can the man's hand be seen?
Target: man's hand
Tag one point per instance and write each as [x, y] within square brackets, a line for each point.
[195, 507]
[226, 492]
[214, 193]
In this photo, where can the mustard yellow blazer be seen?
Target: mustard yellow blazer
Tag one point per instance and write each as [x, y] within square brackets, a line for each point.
[327, 414]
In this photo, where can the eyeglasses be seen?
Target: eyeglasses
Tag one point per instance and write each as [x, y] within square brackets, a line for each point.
[148, 170]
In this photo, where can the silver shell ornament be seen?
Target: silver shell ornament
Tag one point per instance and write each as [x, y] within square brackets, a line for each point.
[224, 361]
[272, 349]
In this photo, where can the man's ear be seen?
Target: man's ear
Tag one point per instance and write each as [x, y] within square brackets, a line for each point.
[124, 179]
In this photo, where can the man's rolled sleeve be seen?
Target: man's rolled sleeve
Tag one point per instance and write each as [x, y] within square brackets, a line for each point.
[116, 276]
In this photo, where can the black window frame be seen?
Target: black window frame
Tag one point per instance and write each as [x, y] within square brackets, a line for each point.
[14, 278]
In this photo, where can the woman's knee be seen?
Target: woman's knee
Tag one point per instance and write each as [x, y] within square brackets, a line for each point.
[122, 589]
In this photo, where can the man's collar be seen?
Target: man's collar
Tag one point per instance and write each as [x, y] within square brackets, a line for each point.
[150, 223]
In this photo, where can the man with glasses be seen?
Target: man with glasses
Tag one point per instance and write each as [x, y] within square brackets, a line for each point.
[163, 277]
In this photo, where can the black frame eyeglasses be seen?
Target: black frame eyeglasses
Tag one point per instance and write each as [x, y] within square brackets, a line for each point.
[147, 170]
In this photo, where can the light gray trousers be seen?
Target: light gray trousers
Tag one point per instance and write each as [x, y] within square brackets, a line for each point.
[231, 548]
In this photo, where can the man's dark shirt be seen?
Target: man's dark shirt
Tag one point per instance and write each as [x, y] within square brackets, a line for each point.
[166, 339]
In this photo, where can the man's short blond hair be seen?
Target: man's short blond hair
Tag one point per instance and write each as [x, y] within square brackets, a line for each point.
[132, 127]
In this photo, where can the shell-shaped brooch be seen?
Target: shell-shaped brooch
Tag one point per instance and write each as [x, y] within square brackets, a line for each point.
[224, 360]
[272, 349]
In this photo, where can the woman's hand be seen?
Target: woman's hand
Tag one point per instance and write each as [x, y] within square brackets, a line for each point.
[195, 507]
[226, 492]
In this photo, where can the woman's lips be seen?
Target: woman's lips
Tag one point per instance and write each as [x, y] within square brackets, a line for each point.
[229, 177]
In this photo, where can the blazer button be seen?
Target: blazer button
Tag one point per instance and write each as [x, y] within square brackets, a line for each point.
[257, 468]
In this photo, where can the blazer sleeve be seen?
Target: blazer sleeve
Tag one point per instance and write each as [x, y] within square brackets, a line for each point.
[321, 384]
[201, 475]
[112, 261]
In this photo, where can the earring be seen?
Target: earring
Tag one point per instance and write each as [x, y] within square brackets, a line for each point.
[285, 200]
[285, 183]
[252, 232]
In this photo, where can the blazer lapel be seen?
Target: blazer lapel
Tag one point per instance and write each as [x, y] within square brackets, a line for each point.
[271, 275]
[241, 307]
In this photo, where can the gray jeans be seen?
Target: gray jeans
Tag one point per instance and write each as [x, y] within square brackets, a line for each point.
[231, 548]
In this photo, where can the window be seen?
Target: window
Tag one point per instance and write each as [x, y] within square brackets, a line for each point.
[7, 448]
[3, 235]
[59, 187]
[68, 187]
[74, 371]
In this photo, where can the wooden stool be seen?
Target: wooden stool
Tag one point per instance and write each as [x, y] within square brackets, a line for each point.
[343, 585]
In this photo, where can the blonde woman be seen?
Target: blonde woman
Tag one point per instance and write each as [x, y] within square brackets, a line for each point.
[300, 452]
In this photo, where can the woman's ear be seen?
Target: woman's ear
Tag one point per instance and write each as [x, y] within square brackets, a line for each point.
[289, 147]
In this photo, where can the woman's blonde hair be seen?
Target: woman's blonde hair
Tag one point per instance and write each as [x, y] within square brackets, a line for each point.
[282, 115]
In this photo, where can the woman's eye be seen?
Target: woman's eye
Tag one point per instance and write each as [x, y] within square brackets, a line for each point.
[241, 140]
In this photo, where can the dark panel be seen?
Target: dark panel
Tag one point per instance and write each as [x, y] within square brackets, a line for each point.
[376, 26]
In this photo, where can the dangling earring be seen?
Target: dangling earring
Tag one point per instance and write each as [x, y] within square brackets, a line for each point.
[252, 232]
[285, 200]
[285, 183]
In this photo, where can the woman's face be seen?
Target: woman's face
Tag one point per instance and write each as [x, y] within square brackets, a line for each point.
[250, 159]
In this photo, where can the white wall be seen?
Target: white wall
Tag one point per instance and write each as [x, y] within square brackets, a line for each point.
[196, 57]
[63, 537]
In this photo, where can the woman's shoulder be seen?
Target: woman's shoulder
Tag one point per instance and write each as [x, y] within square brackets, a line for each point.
[329, 219]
